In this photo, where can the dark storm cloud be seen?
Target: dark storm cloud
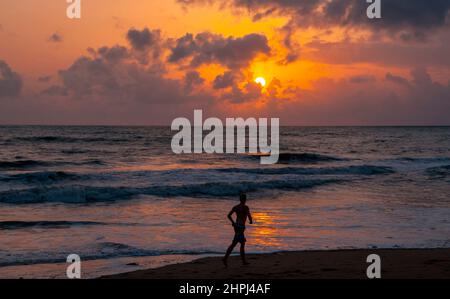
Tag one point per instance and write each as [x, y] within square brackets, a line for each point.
[112, 75]
[192, 79]
[184, 47]
[114, 54]
[55, 38]
[224, 81]
[10, 81]
[382, 53]
[250, 92]
[147, 45]
[418, 100]
[396, 13]
[397, 79]
[143, 39]
[360, 79]
[207, 48]
[421, 77]
[263, 14]
[121, 73]
[87, 76]
[415, 13]
[428, 101]
[104, 72]
[291, 45]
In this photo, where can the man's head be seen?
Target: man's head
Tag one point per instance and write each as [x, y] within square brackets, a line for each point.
[243, 198]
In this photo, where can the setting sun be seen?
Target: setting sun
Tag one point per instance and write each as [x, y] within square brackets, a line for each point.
[261, 81]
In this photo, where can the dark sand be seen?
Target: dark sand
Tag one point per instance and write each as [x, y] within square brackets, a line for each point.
[346, 264]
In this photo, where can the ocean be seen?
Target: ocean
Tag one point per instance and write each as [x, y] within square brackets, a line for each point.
[120, 199]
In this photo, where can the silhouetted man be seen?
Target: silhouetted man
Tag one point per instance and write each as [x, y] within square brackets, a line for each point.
[242, 213]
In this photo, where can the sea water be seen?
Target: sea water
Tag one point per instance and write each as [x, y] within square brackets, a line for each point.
[122, 200]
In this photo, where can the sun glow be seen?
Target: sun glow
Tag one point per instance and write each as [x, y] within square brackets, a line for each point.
[261, 81]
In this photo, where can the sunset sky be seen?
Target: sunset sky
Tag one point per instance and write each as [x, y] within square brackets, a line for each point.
[146, 62]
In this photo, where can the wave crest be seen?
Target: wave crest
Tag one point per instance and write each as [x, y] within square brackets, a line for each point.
[84, 194]
[349, 170]
[30, 164]
[286, 158]
[11, 225]
[439, 172]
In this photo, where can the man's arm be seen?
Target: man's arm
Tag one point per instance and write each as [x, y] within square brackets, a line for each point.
[250, 216]
[229, 216]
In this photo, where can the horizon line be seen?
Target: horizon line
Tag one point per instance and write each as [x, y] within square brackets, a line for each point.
[168, 125]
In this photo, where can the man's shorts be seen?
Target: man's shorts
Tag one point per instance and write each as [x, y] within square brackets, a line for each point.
[239, 236]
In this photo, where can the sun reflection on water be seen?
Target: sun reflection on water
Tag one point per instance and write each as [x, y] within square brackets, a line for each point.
[264, 232]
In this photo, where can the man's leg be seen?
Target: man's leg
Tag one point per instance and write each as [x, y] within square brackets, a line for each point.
[244, 260]
[229, 251]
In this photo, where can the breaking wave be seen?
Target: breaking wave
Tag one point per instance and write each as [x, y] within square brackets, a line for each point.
[105, 250]
[286, 158]
[424, 160]
[16, 225]
[65, 139]
[44, 177]
[51, 177]
[439, 172]
[87, 194]
[349, 170]
[29, 164]
[11, 225]
[22, 164]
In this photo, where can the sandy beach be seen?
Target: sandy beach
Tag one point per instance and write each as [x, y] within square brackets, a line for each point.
[341, 264]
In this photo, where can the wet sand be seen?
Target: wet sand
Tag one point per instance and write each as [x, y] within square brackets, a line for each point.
[339, 264]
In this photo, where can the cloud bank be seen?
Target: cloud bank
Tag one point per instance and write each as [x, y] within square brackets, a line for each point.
[10, 81]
